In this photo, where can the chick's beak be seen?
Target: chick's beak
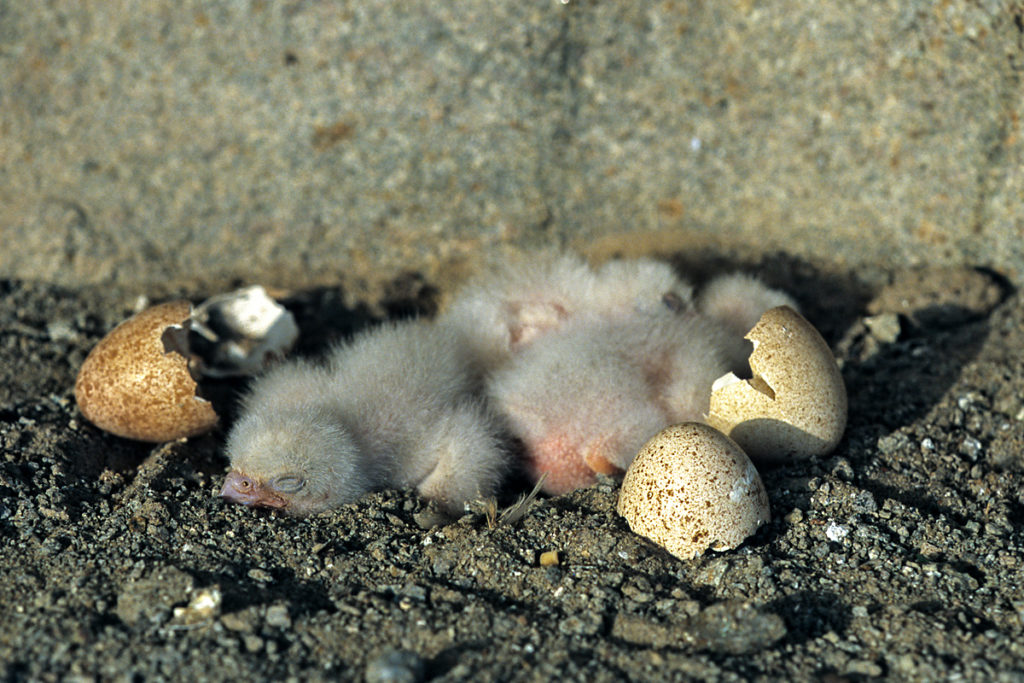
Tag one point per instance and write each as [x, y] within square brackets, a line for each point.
[243, 489]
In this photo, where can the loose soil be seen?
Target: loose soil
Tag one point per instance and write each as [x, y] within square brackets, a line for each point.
[900, 555]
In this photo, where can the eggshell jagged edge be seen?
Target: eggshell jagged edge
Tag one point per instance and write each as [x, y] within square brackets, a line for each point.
[795, 404]
[135, 384]
[692, 488]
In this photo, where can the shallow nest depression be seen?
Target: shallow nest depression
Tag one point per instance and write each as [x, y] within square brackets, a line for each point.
[899, 555]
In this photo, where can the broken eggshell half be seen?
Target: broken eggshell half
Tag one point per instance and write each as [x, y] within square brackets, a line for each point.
[140, 382]
[692, 488]
[136, 382]
[794, 406]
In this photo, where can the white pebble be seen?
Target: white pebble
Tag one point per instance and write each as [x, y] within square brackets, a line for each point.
[836, 532]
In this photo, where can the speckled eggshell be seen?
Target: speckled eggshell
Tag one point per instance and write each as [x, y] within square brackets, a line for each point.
[130, 386]
[794, 407]
[692, 488]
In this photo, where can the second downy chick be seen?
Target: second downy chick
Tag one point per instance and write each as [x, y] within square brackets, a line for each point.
[515, 303]
[585, 398]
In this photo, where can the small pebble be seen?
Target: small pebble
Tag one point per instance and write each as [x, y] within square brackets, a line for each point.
[240, 622]
[395, 666]
[885, 327]
[893, 443]
[836, 532]
[735, 627]
[252, 643]
[971, 447]
[430, 518]
[580, 625]
[61, 330]
[260, 575]
[864, 668]
[549, 558]
[277, 616]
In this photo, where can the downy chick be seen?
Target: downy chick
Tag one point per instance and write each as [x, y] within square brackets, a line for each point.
[739, 300]
[585, 398]
[392, 408]
[514, 303]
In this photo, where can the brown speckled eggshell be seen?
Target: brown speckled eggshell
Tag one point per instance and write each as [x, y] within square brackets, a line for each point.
[692, 488]
[795, 406]
[129, 386]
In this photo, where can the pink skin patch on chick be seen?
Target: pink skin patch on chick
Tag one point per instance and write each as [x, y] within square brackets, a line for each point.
[243, 489]
[565, 465]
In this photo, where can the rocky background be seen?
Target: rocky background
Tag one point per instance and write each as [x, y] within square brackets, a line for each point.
[306, 141]
[362, 158]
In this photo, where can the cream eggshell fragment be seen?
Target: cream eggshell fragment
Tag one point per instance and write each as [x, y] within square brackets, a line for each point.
[135, 383]
[241, 332]
[692, 488]
[794, 407]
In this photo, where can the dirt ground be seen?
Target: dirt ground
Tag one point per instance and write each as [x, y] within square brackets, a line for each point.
[899, 556]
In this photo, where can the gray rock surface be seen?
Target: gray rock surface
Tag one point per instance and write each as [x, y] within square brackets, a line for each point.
[300, 143]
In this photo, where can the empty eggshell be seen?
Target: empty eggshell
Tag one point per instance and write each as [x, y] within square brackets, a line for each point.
[692, 488]
[241, 332]
[795, 405]
[137, 385]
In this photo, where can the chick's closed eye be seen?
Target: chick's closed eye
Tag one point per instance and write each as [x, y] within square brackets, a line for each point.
[288, 483]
